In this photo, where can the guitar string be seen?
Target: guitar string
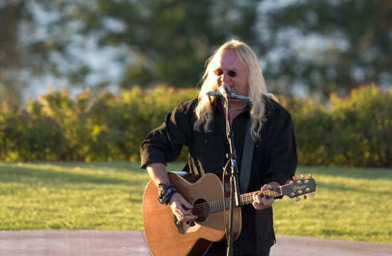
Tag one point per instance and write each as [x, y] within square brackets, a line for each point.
[217, 205]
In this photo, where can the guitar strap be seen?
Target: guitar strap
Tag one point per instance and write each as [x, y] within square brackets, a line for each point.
[246, 160]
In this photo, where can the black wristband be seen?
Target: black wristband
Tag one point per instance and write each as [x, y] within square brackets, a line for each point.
[166, 191]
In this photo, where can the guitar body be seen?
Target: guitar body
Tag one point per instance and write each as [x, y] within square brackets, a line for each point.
[166, 236]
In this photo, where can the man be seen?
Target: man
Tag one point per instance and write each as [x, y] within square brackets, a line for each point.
[199, 123]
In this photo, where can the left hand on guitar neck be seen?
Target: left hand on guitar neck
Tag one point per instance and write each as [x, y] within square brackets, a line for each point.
[260, 201]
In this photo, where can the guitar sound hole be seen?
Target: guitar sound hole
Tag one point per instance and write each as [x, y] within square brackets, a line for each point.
[201, 209]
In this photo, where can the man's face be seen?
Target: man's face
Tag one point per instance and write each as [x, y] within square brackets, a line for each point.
[231, 70]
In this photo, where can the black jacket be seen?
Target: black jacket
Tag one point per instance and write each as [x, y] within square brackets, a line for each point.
[274, 158]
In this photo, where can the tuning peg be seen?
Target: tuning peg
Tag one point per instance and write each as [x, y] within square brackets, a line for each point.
[297, 199]
[311, 194]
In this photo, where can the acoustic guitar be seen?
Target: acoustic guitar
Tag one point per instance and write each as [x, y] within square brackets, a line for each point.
[167, 236]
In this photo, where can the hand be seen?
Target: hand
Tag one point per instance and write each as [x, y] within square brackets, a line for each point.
[181, 208]
[260, 201]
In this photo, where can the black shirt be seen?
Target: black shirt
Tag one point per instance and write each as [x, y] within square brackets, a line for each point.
[274, 158]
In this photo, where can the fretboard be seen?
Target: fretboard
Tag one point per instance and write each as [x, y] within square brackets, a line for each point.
[219, 205]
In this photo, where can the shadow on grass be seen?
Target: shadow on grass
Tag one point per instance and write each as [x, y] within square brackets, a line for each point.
[37, 175]
[332, 188]
[347, 172]
[109, 166]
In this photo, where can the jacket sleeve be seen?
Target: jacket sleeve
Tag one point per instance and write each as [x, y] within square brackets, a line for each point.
[283, 151]
[164, 143]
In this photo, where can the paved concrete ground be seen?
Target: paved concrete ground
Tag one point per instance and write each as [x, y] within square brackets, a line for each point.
[119, 243]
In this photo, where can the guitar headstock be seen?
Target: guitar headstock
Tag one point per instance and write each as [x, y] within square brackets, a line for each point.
[299, 187]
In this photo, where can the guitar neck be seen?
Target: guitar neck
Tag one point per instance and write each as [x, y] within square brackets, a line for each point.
[219, 205]
[248, 197]
[292, 189]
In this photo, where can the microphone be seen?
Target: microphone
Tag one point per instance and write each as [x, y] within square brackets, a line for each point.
[224, 92]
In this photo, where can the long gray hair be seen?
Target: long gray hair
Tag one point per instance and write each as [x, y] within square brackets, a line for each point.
[256, 83]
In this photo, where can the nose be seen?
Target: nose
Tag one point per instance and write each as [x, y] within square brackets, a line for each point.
[225, 79]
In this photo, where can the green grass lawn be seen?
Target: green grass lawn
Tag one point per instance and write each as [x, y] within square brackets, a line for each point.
[350, 203]
[71, 196]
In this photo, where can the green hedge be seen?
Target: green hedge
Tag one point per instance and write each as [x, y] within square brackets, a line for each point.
[352, 131]
[89, 127]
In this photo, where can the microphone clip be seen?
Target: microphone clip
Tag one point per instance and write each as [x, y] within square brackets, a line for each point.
[224, 92]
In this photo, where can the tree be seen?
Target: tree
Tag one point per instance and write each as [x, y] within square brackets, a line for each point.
[331, 45]
[169, 40]
[318, 46]
[9, 57]
[29, 42]
[155, 41]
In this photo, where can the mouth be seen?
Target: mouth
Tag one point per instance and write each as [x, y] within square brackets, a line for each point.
[230, 87]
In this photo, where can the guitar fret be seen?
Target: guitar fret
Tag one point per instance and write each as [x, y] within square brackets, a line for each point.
[219, 205]
[215, 206]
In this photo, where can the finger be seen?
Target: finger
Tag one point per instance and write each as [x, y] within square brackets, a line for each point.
[267, 202]
[185, 211]
[256, 201]
[190, 217]
[186, 204]
[183, 214]
[266, 187]
[180, 211]
[257, 206]
[257, 198]
[177, 211]
[179, 216]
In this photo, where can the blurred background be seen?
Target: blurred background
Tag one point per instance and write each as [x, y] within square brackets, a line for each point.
[306, 48]
[87, 80]
[83, 81]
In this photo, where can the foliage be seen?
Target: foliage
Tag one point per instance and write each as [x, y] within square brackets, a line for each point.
[152, 42]
[170, 40]
[351, 131]
[86, 128]
[317, 46]
[109, 196]
[339, 45]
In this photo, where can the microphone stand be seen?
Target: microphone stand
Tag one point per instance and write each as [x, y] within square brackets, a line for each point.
[234, 188]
